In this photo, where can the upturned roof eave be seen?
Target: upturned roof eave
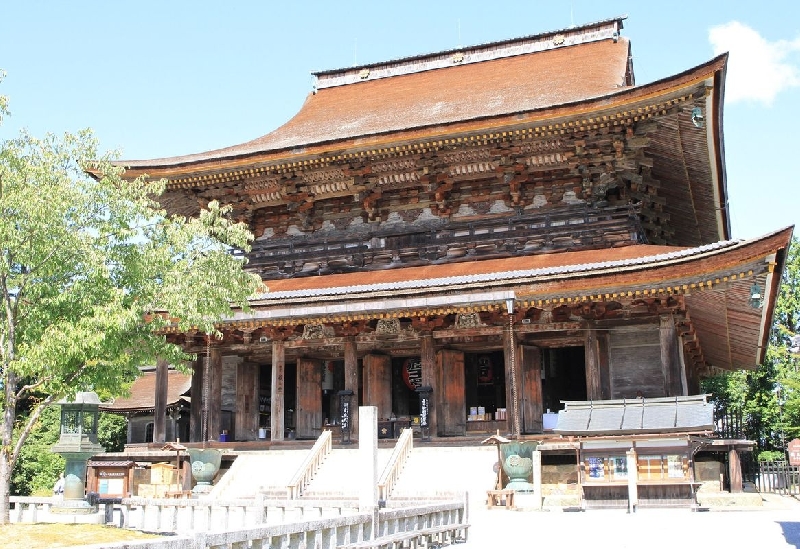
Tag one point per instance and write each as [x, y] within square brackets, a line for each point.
[219, 160]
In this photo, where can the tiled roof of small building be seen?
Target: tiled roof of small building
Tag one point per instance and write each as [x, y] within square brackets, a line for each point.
[569, 71]
[143, 392]
[631, 416]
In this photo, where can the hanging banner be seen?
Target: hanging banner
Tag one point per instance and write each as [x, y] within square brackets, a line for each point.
[327, 375]
[412, 373]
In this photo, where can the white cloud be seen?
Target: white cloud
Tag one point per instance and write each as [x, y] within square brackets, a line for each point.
[758, 70]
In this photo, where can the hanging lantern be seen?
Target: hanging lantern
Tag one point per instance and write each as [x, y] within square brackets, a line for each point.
[756, 297]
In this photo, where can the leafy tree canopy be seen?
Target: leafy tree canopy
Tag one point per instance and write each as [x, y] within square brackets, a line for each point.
[83, 262]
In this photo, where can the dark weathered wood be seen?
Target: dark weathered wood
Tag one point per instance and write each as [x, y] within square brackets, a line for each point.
[735, 471]
[602, 356]
[196, 394]
[160, 407]
[513, 375]
[670, 361]
[531, 394]
[635, 362]
[308, 415]
[351, 382]
[429, 377]
[451, 404]
[277, 401]
[378, 383]
[592, 359]
[215, 393]
[247, 384]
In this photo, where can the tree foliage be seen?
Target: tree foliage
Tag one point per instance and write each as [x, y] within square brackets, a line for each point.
[83, 262]
[768, 398]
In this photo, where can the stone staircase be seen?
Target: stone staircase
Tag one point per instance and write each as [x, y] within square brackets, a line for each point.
[430, 471]
[334, 477]
[259, 474]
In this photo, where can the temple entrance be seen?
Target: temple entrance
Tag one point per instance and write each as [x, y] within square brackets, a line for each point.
[563, 376]
[484, 385]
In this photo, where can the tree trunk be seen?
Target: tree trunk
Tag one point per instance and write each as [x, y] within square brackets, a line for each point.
[5, 486]
[7, 449]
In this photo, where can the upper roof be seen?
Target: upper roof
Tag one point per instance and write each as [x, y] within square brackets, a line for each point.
[143, 393]
[514, 76]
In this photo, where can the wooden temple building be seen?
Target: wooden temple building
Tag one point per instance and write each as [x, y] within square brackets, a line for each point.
[511, 226]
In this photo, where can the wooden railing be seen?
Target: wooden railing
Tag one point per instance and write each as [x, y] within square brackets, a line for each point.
[402, 450]
[307, 470]
[778, 477]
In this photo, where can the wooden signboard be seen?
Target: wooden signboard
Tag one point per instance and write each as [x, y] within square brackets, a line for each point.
[794, 451]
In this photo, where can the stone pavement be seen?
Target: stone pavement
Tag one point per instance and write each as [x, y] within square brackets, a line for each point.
[775, 525]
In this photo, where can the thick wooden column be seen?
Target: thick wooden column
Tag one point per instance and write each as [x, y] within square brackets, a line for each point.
[215, 394]
[308, 415]
[278, 387]
[592, 358]
[735, 471]
[670, 361]
[451, 403]
[378, 384]
[605, 371]
[513, 373]
[531, 389]
[160, 406]
[428, 365]
[196, 394]
[351, 382]
[247, 383]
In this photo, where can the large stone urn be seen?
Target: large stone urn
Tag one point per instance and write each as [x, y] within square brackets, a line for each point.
[205, 464]
[518, 464]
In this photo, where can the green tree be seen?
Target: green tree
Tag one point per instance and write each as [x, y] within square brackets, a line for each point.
[83, 262]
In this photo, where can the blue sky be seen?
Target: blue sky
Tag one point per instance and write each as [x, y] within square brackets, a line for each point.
[163, 78]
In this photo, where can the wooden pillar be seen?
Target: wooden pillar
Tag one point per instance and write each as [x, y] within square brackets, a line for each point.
[592, 358]
[451, 403]
[196, 395]
[513, 381]
[531, 389]
[378, 383]
[278, 386]
[160, 407]
[428, 365]
[351, 382]
[605, 371]
[308, 412]
[670, 361]
[735, 471]
[633, 479]
[247, 384]
[215, 394]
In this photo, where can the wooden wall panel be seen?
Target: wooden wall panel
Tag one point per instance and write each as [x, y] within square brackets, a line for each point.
[196, 395]
[531, 393]
[378, 383]
[451, 402]
[635, 362]
[308, 415]
[247, 385]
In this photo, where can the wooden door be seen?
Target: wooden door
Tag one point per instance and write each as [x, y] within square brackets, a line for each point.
[247, 381]
[451, 402]
[531, 390]
[308, 415]
[378, 383]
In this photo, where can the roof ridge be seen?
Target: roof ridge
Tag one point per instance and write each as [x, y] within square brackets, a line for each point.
[591, 32]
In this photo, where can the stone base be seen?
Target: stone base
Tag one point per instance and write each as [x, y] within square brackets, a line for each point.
[559, 501]
[726, 499]
[73, 507]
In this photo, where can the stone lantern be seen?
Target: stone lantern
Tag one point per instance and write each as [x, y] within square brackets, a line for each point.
[77, 443]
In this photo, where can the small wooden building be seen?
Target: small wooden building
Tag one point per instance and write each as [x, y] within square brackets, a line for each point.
[513, 225]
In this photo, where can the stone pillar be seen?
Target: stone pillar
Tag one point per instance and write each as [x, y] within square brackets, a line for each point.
[196, 395]
[351, 382]
[735, 471]
[537, 478]
[215, 394]
[367, 478]
[278, 384]
[428, 365]
[633, 480]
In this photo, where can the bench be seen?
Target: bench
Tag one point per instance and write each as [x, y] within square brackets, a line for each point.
[500, 497]
[435, 536]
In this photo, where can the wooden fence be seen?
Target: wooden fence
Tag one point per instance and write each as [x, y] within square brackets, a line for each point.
[778, 477]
